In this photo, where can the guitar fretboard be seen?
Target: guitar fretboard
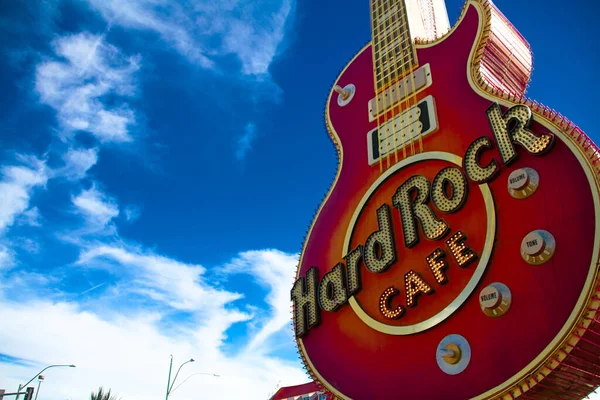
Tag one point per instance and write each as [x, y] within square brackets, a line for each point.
[394, 53]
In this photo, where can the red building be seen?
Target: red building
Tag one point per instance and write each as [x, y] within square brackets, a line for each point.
[306, 391]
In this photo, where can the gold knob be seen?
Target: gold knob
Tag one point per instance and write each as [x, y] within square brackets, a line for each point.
[452, 353]
[537, 247]
[523, 182]
[495, 299]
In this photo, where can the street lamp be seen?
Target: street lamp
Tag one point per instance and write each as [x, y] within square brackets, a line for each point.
[197, 373]
[40, 379]
[39, 373]
[169, 383]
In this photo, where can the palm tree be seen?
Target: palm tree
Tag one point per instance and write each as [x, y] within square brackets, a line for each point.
[102, 395]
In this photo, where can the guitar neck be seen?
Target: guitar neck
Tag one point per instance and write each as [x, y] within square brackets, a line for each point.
[394, 26]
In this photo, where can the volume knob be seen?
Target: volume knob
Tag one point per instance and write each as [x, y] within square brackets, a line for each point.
[495, 299]
[523, 182]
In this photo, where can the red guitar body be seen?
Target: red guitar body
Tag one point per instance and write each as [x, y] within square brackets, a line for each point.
[547, 345]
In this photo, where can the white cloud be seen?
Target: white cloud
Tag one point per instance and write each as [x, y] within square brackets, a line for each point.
[273, 270]
[97, 208]
[30, 217]
[6, 257]
[16, 188]
[77, 163]
[84, 71]
[244, 142]
[132, 213]
[180, 286]
[127, 349]
[256, 48]
[202, 30]
[128, 354]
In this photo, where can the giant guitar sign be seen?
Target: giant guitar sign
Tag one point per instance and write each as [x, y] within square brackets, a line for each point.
[456, 253]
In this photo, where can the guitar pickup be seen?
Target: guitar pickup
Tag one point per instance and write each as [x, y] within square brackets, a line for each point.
[421, 79]
[399, 131]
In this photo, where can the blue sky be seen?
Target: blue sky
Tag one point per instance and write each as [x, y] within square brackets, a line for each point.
[160, 162]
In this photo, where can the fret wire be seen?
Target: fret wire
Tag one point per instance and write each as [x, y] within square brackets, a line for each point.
[380, 7]
[385, 42]
[389, 29]
[392, 46]
[379, 20]
[384, 60]
[401, 36]
[378, 15]
[397, 63]
[400, 63]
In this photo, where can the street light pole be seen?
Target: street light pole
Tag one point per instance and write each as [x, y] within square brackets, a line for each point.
[197, 373]
[40, 379]
[169, 383]
[39, 373]
[169, 380]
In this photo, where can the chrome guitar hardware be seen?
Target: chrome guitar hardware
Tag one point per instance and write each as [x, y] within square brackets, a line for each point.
[413, 83]
[393, 135]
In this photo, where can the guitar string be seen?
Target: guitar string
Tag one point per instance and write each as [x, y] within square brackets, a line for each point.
[384, 42]
[406, 96]
[412, 68]
[391, 59]
[374, 13]
[382, 80]
[393, 33]
[395, 86]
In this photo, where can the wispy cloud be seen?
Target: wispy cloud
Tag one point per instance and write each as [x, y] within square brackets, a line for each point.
[273, 270]
[97, 209]
[6, 257]
[77, 163]
[244, 142]
[132, 213]
[84, 71]
[30, 217]
[176, 284]
[17, 185]
[202, 31]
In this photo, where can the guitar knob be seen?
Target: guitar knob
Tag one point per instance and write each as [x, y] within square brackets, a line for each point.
[537, 247]
[345, 94]
[495, 299]
[523, 182]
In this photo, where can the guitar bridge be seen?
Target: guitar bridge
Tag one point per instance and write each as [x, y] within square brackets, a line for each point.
[410, 85]
[401, 130]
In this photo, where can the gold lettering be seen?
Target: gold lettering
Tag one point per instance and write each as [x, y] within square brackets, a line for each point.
[353, 261]
[411, 210]
[511, 126]
[332, 289]
[415, 285]
[437, 264]
[449, 177]
[472, 166]
[304, 298]
[385, 304]
[459, 249]
[379, 251]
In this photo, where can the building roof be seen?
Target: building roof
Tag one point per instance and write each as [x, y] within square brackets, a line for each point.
[292, 391]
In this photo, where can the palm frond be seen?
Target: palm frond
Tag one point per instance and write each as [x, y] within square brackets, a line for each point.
[102, 395]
